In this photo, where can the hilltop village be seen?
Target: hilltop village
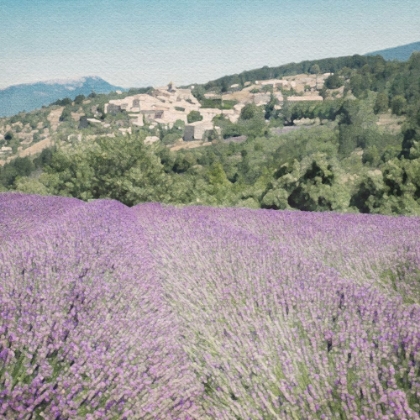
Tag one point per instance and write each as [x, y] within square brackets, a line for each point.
[166, 105]
[159, 108]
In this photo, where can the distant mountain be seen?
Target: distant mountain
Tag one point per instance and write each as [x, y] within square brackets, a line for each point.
[28, 97]
[401, 53]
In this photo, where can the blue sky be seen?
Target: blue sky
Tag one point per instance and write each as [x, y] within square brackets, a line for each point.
[151, 42]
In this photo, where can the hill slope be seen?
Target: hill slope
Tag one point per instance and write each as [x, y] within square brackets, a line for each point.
[400, 53]
[35, 95]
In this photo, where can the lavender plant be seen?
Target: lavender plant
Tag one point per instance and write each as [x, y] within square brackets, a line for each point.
[157, 312]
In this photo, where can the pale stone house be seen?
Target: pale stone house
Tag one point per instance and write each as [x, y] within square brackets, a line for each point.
[197, 130]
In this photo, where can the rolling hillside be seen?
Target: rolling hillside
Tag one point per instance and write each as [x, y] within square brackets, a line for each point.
[400, 53]
[27, 97]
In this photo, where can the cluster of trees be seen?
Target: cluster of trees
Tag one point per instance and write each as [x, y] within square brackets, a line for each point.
[302, 170]
[326, 65]
[24, 168]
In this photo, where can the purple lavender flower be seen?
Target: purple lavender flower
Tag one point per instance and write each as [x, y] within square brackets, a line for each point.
[158, 312]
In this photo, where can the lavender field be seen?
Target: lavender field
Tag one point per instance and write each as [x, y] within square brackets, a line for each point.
[158, 312]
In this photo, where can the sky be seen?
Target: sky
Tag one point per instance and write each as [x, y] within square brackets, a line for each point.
[138, 43]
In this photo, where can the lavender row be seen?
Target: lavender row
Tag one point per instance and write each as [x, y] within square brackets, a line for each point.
[85, 331]
[276, 333]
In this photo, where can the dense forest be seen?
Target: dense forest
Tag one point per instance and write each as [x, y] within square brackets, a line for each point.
[359, 153]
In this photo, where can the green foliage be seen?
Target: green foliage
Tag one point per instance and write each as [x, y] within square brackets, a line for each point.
[8, 136]
[217, 103]
[357, 126]
[63, 102]
[269, 109]
[66, 114]
[301, 143]
[371, 156]
[395, 190]
[359, 84]
[398, 105]
[217, 176]
[333, 81]
[126, 170]
[170, 135]
[311, 185]
[275, 199]
[30, 186]
[228, 128]
[198, 92]
[194, 116]
[78, 100]
[367, 198]
[317, 188]
[325, 110]
[381, 103]
[170, 138]
[315, 69]
[265, 73]
[36, 137]
[249, 111]
[14, 169]
[45, 157]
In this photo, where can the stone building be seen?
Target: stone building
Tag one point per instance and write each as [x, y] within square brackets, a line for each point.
[197, 130]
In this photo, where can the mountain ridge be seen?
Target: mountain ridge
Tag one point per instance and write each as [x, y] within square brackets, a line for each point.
[400, 53]
[30, 96]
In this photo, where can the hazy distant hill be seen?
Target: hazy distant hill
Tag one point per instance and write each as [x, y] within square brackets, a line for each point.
[401, 53]
[32, 96]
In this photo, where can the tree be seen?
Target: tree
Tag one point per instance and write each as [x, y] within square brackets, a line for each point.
[369, 194]
[414, 61]
[381, 103]
[398, 105]
[249, 111]
[127, 171]
[194, 116]
[30, 186]
[357, 85]
[315, 70]
[78, 100]
[224, 86]
[66, 115]
[251, 121]
[269, 110]
[333, 81]
[45, 157]
[320, 188]
[16, 168]
[275, 199]
[411, 136]
[8, 136]
[199, 92]
[63, 102]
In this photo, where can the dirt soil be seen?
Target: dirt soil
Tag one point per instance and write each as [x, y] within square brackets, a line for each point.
[54, 117]
[391, 123]
[37, 147]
